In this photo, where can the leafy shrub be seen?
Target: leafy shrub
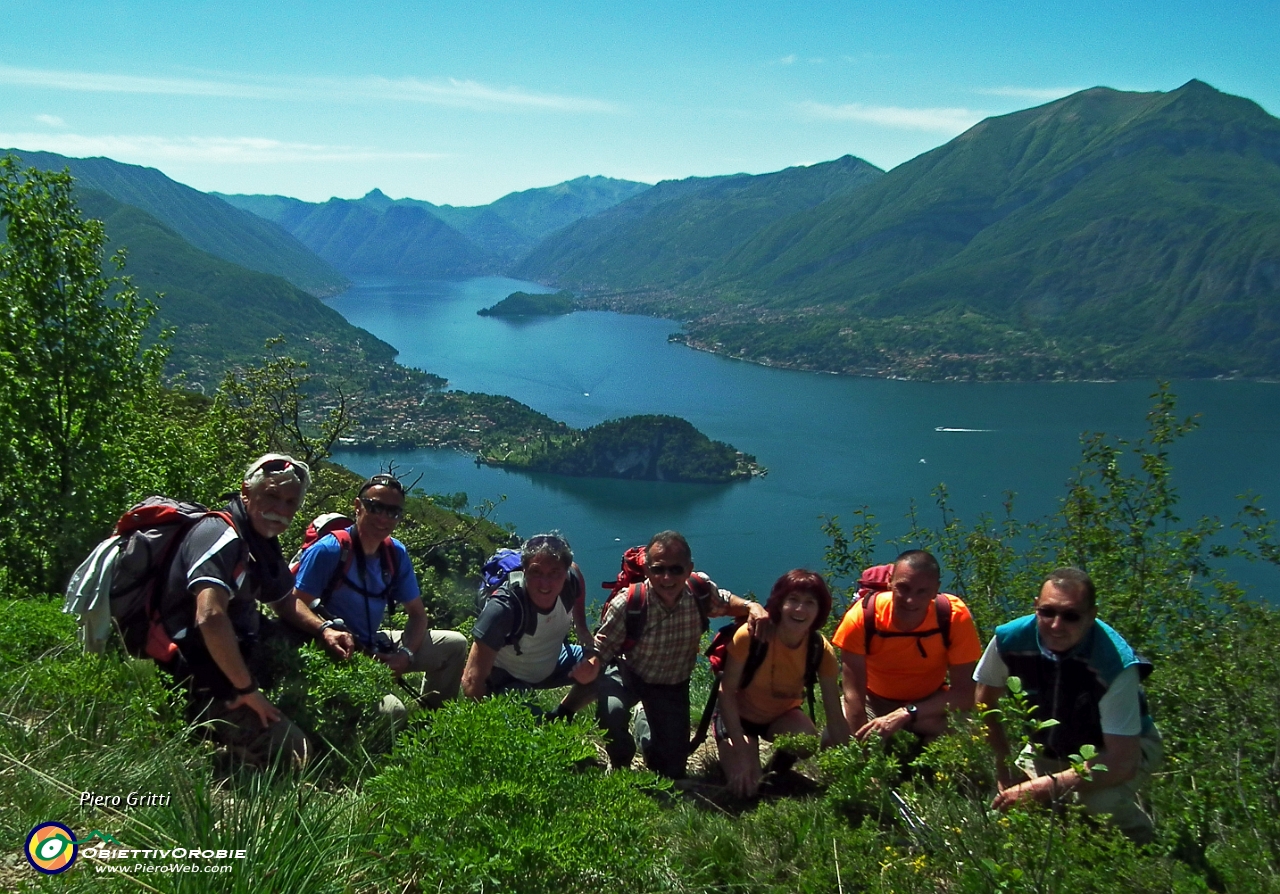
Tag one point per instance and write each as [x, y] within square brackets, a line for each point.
[336, 701]
[525, 805]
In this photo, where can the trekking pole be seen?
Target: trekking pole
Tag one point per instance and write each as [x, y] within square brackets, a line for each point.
[914, 824]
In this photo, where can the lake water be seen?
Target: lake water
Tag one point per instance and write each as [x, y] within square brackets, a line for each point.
[832, 444]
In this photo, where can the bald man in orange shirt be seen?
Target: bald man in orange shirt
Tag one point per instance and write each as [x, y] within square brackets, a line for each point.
[908, 676]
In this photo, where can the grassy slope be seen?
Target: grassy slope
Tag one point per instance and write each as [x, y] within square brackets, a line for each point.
[203, 220]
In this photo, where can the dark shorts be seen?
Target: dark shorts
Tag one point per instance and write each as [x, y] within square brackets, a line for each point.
[750, 727]
[501, 681]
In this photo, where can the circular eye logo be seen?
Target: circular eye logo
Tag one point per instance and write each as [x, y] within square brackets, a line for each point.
[51, 848]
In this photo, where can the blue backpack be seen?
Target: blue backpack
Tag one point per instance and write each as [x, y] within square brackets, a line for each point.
[504, 566]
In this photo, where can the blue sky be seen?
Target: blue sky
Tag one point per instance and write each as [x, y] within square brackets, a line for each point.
[462, 103]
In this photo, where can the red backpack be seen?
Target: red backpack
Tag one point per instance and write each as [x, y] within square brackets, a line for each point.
[342, 528]
[631, 578]
[874, 581]
[145, 543]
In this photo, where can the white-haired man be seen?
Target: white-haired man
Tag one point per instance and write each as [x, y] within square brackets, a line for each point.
[209, 607]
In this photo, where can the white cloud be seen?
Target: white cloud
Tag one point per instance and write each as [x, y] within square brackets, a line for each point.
[51, 120]
[444, 91]
[1047, 94]
[789, 60]
[942, 120]
[207, 150]
[472, 94]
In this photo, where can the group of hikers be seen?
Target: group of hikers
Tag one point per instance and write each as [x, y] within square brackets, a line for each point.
[902, 660]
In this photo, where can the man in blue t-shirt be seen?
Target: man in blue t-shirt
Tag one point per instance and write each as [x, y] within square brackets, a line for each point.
[379, 572]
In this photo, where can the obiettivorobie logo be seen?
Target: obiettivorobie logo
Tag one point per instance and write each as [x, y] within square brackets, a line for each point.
[52, 848]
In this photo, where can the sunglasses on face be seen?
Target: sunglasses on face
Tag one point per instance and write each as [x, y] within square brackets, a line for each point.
[1048, 613]
[664, 570]
[377, 507]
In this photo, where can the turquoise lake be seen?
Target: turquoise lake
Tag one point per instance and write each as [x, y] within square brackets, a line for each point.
[832, 444]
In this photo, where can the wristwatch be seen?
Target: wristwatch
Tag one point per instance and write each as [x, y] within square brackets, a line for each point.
[912, 713]
[252, 687]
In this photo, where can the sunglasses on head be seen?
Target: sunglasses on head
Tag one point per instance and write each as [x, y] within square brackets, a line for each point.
[383, 480]
[276, 466]
[377, 507]
[1070, 615]
[664, 570]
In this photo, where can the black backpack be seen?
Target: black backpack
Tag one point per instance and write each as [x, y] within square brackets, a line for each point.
[511, 592]
[133, 566]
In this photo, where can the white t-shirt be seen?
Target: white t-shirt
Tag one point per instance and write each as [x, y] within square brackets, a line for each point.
[1119, 708]
[539, 651]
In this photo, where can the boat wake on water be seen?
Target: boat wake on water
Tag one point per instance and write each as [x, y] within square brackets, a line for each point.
[947, 428]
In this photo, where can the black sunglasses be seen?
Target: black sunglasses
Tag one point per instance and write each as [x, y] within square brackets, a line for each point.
[377, 507]
[664, 570]
[1070, 615]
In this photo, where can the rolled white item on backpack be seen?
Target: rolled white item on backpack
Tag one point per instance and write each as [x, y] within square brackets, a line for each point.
[89, 594]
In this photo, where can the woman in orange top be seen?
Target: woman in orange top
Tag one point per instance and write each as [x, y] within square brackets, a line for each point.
[769, 705]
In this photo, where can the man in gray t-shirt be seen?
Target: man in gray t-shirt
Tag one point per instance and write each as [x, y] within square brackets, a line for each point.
[521, 637]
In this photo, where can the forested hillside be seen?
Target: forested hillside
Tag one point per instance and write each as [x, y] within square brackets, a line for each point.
[223, 314]
[673, 234]
[199, 218]
[638, 448]
[1104, 234]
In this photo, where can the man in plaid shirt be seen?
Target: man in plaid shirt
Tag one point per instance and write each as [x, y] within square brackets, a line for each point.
[654, 670]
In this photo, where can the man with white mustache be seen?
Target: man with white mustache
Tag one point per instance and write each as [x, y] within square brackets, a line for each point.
[218, 577]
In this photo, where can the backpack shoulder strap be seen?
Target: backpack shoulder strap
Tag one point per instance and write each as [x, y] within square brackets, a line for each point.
[512, 594]
[756, 654]
[390, 567]
[868, 621]
[812, 661]
[346, 554]
[943, 607]
[637, 611]
[702, 598]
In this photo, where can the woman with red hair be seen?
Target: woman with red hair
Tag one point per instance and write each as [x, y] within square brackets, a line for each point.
[769, 704]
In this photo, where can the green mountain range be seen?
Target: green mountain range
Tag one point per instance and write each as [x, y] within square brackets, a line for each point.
[1104, 234]
[377, 234]
[221, 313]
[201, 219]
[671, 235]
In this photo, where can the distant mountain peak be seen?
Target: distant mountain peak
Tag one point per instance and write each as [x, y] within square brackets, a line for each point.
[377, 200]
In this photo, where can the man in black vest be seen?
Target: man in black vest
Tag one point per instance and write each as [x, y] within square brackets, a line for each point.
[1078, 671]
